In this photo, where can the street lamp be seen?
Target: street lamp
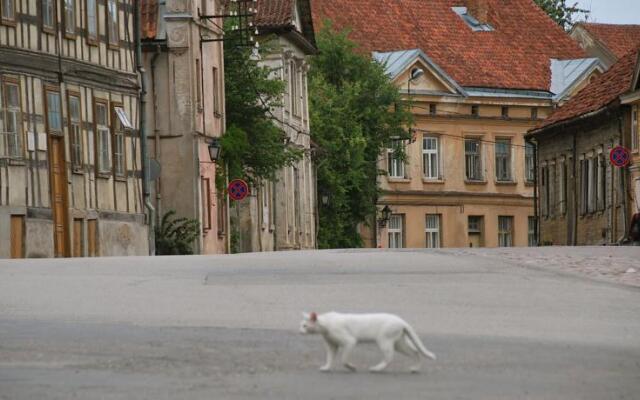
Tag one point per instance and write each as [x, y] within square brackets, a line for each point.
[215, 148]
[385, 215]
[415, 73]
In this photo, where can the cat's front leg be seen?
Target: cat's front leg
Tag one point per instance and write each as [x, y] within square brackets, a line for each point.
[331, 353]
[346, 352]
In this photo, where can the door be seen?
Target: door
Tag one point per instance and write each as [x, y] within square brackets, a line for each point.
[17, 236]
[78, 238]
[92, 236]
[59, 196]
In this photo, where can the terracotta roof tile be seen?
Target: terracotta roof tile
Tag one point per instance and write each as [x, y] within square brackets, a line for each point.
[620, 39]
[149, 18]
[274, 13]
[515, 55]
[603, 91]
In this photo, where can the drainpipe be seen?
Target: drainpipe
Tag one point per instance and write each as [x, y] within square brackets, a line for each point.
[536, 231]
[143, 128]
[623, 183]
[158, 154]
[574, 218]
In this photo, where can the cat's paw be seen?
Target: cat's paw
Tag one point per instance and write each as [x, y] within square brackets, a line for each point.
[415, 370]
[350, 367]
[377, 368]
[325, 368]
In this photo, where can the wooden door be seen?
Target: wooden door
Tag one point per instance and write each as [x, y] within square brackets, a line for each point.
[78, 238]
[59, 196]
[17, 236]
[475, 240]
[92, 236]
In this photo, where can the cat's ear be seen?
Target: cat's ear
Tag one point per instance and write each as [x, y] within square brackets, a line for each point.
[313, 317]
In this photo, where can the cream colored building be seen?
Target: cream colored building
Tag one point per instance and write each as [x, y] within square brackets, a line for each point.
[281, 215]
[468, 176]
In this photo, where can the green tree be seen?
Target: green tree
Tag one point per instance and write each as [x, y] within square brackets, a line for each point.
[355, 111]
[565, 15]
[253, 147]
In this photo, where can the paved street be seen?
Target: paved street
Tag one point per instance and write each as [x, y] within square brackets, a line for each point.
[504, 325]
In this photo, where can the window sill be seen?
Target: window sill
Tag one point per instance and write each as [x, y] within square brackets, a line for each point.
[9, 22]
[470, 182]
[77, 171]
[398, 180]
[103, 175]
[120, 178]
[15, 161]
[506, 183]
[433, 181]
[529, 183]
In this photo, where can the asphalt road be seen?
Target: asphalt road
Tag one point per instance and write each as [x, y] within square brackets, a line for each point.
[226, 327]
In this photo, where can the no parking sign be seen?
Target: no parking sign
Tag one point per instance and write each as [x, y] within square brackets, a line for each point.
[619, 156]
[238, 189]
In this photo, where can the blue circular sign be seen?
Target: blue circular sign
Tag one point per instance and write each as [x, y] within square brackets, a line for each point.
[238, 189]
[619, 156]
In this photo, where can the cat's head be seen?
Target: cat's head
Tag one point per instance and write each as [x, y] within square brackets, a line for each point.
[309, 323]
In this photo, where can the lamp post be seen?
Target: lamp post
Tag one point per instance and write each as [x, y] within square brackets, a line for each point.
[215, 149]
[385, 215]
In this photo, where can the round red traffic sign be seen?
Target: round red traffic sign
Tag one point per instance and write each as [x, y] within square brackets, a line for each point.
[238, 189]
[619, 156]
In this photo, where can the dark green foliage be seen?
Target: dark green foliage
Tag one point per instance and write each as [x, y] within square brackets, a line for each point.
[253, 147]
[354, 111]
[565, 15]
[175, 236]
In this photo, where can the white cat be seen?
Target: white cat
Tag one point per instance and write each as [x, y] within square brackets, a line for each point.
[343, 331]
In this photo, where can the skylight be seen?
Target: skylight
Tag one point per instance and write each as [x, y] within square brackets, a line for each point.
[473, 23]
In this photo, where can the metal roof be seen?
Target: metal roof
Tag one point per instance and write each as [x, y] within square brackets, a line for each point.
[565, 74]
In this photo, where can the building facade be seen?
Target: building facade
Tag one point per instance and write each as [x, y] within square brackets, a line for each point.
[282, 214]
[69, 143]
[584, 198]
[607, 42]
[183, 58]
[476, 82]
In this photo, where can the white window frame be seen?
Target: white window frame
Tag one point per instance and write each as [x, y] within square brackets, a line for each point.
[562, 186]
[432, 231]
[113, 34]
[591, 185]
[503, 160]
[431, 157]
[92, 20]
[551, 188]
[531, 231]
[601, 181]
[635, 129]
[69, 8]
[11, 139]
[395, 164]
[529, 163]
[505, 231]
[75, 131]
[476, 157]
[395, 231]
[48, 10]
[103, 139]
[9, 10]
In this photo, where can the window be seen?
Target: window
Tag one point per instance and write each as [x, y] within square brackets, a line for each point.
[118, 143]
[584, 186]
[395, 163]
[216, 95]
[562, 187]
[198, 87]
[473, 161]
[112, 22]
[601, 179]
[475, 111]
[8, 10]
[75, 131]
[430, 160]
[221, 219]
[551, 189]
[505, 112]
[48, 15]
[11, 121]
[102, 141]
[395, 231]
[544, 188]
[433, 109]
[505, 231]
[92, 21]
[591, 192]
[70, 17]
[295, 97]
[531, 232]
[503, 160]
[529, 162]
[54, 112]
[432, 230]
[635, 128]
[206, 203]
[474, 229]
[534, 113]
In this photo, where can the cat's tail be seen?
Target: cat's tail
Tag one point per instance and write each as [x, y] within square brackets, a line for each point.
[413, 336]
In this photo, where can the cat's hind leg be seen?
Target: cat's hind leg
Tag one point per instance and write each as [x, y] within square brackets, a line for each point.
[387, 348]
[331, 353]
[405, 347]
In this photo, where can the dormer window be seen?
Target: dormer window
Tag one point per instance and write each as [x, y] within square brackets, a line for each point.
[471, 21]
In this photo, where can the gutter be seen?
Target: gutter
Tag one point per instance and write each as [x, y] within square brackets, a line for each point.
[565, 122]
[535, 189]
[143, 128]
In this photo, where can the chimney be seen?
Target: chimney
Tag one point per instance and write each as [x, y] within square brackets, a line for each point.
[479, 9]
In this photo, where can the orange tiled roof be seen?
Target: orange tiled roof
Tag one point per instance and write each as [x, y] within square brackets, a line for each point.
[515, 55]
[620, 39]
[274, 13]
[603, 91]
